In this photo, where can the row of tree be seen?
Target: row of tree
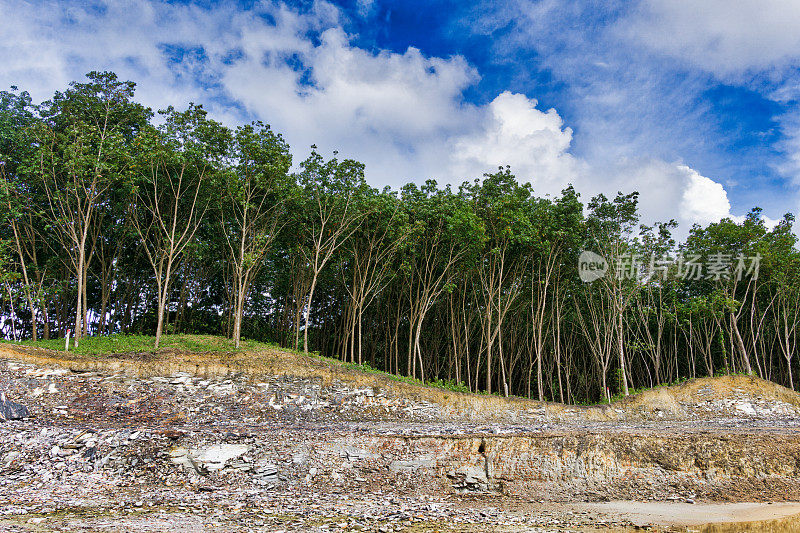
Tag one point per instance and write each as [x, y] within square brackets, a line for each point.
[117, 220]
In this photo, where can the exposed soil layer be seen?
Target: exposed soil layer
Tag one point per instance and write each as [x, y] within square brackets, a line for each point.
[145, 442]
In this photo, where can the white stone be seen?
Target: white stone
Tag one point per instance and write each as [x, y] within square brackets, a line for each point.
[215, 457]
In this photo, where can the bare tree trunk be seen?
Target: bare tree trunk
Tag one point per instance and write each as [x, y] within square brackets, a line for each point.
[163, 292]
[740, 344]
[621, 347]
[308, 311]
[46, 320]
[78, 306]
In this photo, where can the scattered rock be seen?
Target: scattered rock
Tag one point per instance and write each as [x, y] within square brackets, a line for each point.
[217, 456]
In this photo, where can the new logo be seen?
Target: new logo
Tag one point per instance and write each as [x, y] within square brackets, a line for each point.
[591, 266]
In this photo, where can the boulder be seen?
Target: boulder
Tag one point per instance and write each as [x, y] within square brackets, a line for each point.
[215, 457]
[11, 410]
[205, 460]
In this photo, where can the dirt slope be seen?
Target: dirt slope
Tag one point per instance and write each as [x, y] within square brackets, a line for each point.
[726, 397]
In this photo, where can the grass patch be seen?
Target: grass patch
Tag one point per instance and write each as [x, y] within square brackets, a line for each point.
[117, 344]
[447, 384]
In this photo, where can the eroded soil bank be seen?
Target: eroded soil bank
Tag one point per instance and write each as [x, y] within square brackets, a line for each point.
[112, 448]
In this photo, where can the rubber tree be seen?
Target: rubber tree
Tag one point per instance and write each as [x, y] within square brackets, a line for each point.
[372, 255]
[329, 210]
[83, 145]
[611, 227]
[445, 235]
[724, 244]
[504, 208]
[173, 192]
[256, 189]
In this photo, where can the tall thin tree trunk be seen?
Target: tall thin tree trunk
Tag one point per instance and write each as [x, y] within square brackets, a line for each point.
[539, 377]
[46, 320]
[78, 306]
[621, 347]
[308, 311]
[162, 303]
[740, 345]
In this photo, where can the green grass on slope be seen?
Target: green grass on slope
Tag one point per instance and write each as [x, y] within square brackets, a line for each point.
[117, 344]
[113, 344]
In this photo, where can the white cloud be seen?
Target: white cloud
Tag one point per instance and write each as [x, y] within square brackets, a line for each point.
[703, 199]
[537, 146]
[721, 36]
[790, 166]
[666, 191]
[393, 111]
[365, 8]
[514, 132]
[382, 108]
[633, 78]
[752, 43]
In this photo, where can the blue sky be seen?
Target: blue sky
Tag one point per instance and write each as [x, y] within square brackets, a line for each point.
[694, 104]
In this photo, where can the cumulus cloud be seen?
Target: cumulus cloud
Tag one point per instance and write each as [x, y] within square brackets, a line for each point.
[534, 143]
[634, 87]
[703, 199]
[667, 190]
[394, 111]
[750, 43]
[537, 146]
[293, 69]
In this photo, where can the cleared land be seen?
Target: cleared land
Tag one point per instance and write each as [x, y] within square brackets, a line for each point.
[264, 439]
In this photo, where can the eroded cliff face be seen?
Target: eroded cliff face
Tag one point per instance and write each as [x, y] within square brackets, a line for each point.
[577, 466]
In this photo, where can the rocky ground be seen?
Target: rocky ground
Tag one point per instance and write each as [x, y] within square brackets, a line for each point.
[113, 451]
